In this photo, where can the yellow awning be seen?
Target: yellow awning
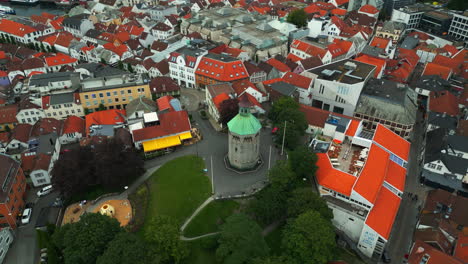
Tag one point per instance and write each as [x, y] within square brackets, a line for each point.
[161, 143]
[185, 135]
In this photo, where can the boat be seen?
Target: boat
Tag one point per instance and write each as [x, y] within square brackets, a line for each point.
[7, 10]
[62, 2]
[24, 2]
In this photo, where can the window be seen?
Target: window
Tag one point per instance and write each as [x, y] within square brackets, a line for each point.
[432, 166]
[122, 92]
[101, 95]
[93, 95]
[129, 91]
[439, 167]
[116, 99]
[115, 92]
[41, 181]
[108, 94]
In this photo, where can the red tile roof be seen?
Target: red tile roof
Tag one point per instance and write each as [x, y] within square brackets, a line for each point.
[4, 137]
[314, 116]
[117, 49]
[59, 59]
[370, 9]
[293, 57]
[297, 80]
[380, 42]
[443, 102]
[377, 62]
[409, 56]
[373, 174]
[435, 256]
[164, 103]
[351, 131]
[22, 132]
[171, 123]
[308, 48]
[15, 28]
[46, 126]
[41, 162]
[436, 69]
[8, 114]
[222, 70]
[461, 249]
[339, 12]
[341, 2]
[383, 214]
[241, 85]
[74, 124]
[396, 176]
[331, 178]
[217, 100]
[392, 142]
[105, 117]
[281, 67]
[339, 47]
[251, 99]
[452, 50]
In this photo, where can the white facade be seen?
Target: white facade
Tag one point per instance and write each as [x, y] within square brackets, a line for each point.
[40, 177]
[62, 111]
[6, 238]
[182, 72]
[411, 19]
[459, 26]
[29, 116]
[70, 138]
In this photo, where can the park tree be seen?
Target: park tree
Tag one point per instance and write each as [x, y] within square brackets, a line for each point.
[163, 236]
[282, 176]
[109, 164]
[125, 248]
[298, 17]
[303, 162]
[228, 110]
[286, 115]
[84, 241]
[461, 5]
[271, 260]
[305, 199]
[269, 205]
[308, 239]
[240, 241]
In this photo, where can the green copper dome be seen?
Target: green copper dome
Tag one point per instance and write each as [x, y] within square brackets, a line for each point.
[244, 123]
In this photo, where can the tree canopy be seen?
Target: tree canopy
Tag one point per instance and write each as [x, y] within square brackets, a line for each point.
[282, 176]
[268, 205]
[286, 109]
[240, 241]
[303, 162]
[305, 199]
[84, 241]
[109, 164]
[309, 239]
[125, 248]
[163, 236]
[298, 17]
[228, 110]
[461, 5]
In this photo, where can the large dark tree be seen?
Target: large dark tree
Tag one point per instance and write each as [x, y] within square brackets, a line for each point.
[241, 241]
[302, 161]
[305, 199]
[125, 248]
[109, 164]
[163, 236]
[228, 110]
[298, 17]
[282, 176]
[285, 114]
[84, 241]
[309, 239]
[268, 205]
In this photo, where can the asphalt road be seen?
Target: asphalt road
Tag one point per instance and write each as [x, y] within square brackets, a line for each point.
[401, 237]
[24, 249]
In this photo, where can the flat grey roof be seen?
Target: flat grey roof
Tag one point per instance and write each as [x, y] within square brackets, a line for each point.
[61, 98]
[339, 72]
[46, 78]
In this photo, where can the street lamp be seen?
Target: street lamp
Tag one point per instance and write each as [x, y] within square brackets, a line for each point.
[126, 187]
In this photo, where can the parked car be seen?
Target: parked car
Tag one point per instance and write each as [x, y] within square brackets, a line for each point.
[386, 257]
[26, 216]
[44, 191]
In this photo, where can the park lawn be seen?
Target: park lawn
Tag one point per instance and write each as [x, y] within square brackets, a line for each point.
[200, 255]
[273, 240]
[178, 188]
[209, 219]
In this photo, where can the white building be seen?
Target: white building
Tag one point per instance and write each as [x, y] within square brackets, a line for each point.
[459, 26]
[77, 26]
[364, 193]
[6, 238]
[182, 65]
[57, 82]
[29, 113]
[60, 106]
[410, 15]
[338, 85]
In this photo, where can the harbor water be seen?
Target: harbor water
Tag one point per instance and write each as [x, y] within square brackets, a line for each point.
[28, 10]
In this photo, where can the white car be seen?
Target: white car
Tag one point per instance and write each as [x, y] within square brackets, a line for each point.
[44, 191]
[26, 217]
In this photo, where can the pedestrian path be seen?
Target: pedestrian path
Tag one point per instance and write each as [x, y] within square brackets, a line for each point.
[205, 203]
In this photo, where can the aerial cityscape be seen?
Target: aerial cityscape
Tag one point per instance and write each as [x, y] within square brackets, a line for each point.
[233, 131]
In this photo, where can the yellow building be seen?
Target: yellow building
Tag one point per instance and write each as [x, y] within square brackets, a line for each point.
[114, 92]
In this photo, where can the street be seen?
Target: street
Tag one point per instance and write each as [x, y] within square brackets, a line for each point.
[403, 228]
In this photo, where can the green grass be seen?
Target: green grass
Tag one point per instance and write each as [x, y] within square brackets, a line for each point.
[273, 240]
[42, 238]
[209, 219]
[203, 251]
[178, 188]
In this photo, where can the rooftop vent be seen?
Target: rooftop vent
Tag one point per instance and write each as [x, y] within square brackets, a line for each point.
[350, 66]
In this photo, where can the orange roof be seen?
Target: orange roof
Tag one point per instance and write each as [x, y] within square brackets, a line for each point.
[370, 9]
[308, 48]
[341, 2]
[339, 12]
[443, 102]
[15, 28]
[217, 100]
[74, 124]
[372, 175]
[461, 249]
[392, 142]
[293, 57]
[421, 249]
[331, 178]
[164, 103]
[351, 131]
[396, 176]
[278, 65]
[450, 49]
[105, 117]
[377, 62]
[436, 69]
[380, 42]
[59, 59]
[382, 215]
[119, 50]
[8, 114]
[297, 80]
[409, 56]
[171, 123]
[312, 8]
[224, 69]
[251, 99]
